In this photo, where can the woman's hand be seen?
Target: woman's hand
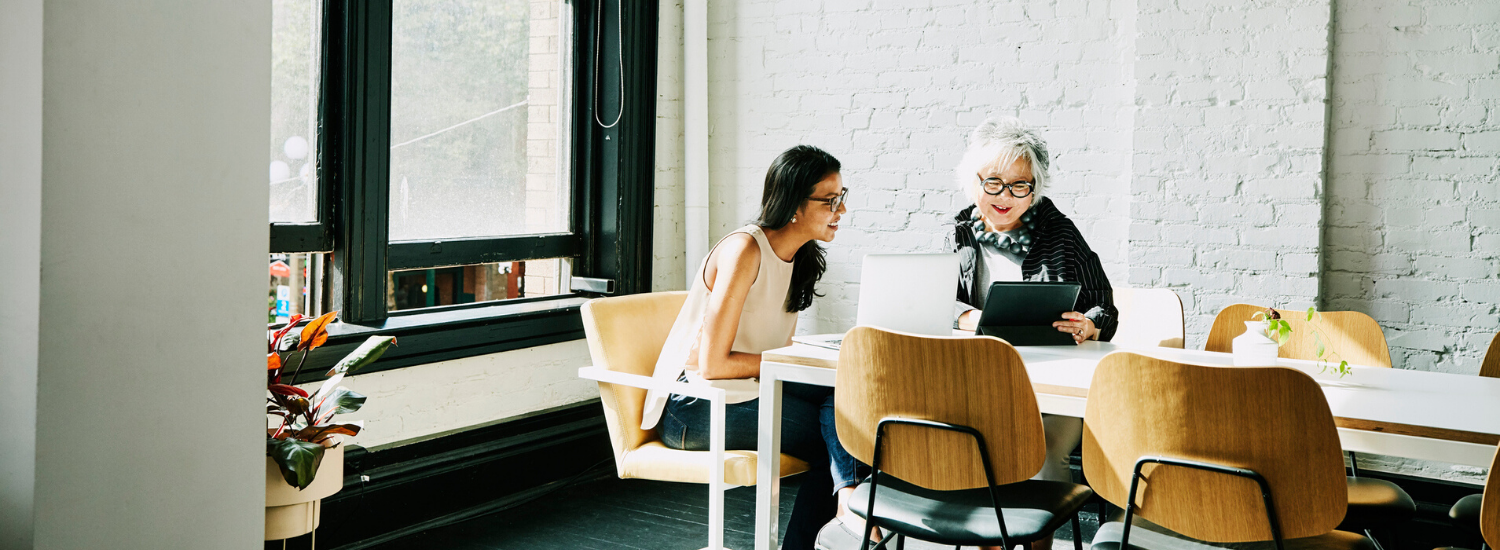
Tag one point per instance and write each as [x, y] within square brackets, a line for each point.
[1079, 326]
[969, 320]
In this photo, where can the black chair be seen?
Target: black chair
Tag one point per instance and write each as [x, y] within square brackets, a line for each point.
[1203, 457]
[951, 430]
[1480, 514]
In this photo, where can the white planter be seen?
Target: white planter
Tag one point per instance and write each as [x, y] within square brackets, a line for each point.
[1254, 348]
[292, 513]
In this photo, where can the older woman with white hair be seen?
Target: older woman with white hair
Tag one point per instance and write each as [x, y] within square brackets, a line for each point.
[1014, 233]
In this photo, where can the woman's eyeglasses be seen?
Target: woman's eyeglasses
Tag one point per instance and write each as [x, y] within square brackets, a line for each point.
[835, 202]
[996, 186]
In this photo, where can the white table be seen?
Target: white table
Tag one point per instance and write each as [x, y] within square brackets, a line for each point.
[1412, 414]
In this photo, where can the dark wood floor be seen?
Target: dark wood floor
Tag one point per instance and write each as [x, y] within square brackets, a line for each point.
[622, 514]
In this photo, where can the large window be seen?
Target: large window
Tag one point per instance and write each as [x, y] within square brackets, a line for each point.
[444, 170]
[476, 124]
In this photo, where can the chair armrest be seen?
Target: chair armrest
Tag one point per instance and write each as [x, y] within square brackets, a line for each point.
[648, 383]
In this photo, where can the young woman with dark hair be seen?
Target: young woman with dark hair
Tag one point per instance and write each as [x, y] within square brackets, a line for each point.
[744, 300]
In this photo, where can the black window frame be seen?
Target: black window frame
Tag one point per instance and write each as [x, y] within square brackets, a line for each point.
[612, 172]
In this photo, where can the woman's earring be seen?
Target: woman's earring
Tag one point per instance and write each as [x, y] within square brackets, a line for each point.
[794, 219]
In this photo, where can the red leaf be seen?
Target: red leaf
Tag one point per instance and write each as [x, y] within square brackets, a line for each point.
[288, 328]
[284, 389]
[316, 332]
[273, 361]
[317, 433]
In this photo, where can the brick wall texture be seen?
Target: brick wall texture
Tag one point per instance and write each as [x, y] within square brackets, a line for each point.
[1288, 152]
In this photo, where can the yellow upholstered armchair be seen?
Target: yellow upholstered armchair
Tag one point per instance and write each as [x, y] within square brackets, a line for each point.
[625, 336]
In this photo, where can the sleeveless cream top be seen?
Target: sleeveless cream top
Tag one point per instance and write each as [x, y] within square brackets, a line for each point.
[764, 324]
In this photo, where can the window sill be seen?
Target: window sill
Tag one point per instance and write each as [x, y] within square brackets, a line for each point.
[429, 336]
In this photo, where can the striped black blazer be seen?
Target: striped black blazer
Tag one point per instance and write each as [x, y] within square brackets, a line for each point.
[1058, 251]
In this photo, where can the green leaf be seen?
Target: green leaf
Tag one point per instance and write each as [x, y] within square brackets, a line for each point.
[365, 354]
[1310, 312]
[297, 460]
[1344, 368]
[1285, 333]
[1258, 316]
[1318, 340]
[347, 400]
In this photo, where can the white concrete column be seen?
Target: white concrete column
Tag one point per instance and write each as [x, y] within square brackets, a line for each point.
[20, 261]
[153, 137]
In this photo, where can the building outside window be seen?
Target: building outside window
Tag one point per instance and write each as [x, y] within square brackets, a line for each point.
[439, 163]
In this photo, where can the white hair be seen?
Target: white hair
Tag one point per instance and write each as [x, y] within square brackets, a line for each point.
[995, 145]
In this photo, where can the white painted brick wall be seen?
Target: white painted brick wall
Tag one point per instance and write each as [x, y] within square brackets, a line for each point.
[1413, 236]
[893, 88]
[1189, 143]
[668, 237]
[1228, 136]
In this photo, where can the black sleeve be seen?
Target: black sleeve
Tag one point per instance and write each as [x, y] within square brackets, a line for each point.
[966, 268]
[1097, 298]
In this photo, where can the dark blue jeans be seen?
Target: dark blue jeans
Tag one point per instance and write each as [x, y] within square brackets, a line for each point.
[807, 432]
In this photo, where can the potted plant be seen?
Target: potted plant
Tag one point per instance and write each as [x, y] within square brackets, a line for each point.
[1266, 331]
[304, 461]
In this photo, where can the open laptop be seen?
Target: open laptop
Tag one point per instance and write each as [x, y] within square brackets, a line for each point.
[903, 292]
[1023, 313]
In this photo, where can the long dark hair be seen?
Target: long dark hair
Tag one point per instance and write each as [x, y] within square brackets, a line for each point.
[789, 183]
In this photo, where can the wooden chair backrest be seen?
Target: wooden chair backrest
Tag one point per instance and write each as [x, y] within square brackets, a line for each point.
[1149, 317]
[1489, 507]
[1355, 336]
[1491, 365]
[625, 334]
[974, 381]
[1272, 420]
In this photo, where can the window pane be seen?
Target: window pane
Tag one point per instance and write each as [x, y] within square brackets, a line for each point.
[419, 288]
[478, 131]
[296, 26]
[296, 286]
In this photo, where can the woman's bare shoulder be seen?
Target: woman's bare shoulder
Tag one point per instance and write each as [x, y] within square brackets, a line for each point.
[740, 251]
[738, 254]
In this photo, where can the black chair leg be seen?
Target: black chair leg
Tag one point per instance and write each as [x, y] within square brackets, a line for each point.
[900, 542]
[1077, 532]
[1370, 534]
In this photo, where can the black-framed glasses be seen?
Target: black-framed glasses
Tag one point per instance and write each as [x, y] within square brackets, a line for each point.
[834, 202]
[996, 186]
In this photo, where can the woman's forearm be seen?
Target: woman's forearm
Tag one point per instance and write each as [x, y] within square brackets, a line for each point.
[736, 365]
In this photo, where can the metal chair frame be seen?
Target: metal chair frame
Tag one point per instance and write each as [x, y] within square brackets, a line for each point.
[1265, 491]
[989, 477]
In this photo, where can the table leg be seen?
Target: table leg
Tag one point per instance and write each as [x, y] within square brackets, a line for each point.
[716, 481]
[768, 463]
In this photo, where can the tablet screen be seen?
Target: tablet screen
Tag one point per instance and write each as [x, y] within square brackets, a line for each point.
[1028, 304]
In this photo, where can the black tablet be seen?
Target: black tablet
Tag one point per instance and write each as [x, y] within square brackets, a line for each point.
[1023, 313]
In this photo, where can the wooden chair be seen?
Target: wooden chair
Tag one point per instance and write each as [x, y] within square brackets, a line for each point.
[1373, 503]
[1149, 317]
[1199, 455]
[1466, 512]
[1480, 514]
[951, 429]
[625, 336]
[1356, 336]
[1491, 366]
